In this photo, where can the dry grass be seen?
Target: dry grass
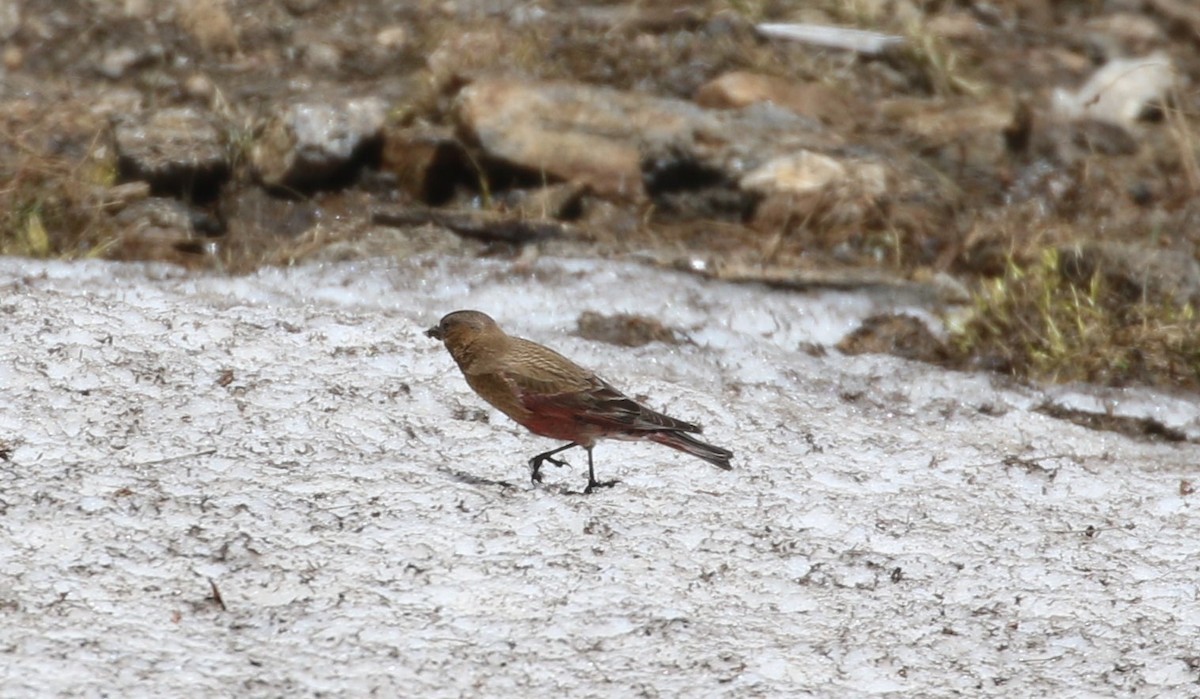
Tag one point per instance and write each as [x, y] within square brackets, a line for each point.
[55, 176]
[1036, 323]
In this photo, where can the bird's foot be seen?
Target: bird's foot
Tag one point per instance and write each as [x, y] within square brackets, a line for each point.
[592, 485]
[535, 466]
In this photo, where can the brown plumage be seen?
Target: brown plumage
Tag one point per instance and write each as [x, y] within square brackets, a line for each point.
[554, 397]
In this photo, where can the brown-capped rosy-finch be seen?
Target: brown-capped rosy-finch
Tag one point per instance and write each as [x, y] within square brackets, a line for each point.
[554, 397]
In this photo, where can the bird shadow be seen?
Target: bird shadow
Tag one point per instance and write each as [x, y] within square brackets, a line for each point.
[472, 479]
[508, 486]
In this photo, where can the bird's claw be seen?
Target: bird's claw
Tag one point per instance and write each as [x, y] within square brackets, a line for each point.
[535, 466]
[592, 485]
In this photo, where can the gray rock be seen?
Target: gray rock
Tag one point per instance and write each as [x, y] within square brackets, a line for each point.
[117, 62]
[164, 229]
[311, 142]
[625, 144]
[575, 132]
[178, 150]
[10, 19]
[1136, 272]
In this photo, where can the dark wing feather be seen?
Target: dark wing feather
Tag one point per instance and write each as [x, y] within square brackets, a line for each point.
[603, 406]
[551, 385]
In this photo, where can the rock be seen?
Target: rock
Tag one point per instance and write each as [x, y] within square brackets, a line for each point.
[392, 39]
[10, 19]
[798, 174]
[740, 89]
[578, 133]
[209, 23]
[139, 9]
[847, 38]
[901, 335]
[115, 63]
[971, 133]
[164, 229]
[1120, 91]
[465, 55]
[815, 188]
[625, 144]
[1134, 271]
[254, 214]
[488, 226]
[178, 151]
[12, 57]
[1134, 32]
[654, 18]
[158, 214]
[199, 87]
[806, 278]
[944, 122]
[428, 162]
[805, 172]
[626, 329]
[117, 103]
[321, 56]
[314, 144]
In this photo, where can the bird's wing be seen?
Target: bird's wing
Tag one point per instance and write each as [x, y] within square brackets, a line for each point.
[596, 403]
[533, 368]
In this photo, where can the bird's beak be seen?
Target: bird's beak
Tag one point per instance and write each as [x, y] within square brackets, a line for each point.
[435, 332]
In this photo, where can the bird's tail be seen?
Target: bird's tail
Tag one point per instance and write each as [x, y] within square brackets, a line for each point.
[685, 442]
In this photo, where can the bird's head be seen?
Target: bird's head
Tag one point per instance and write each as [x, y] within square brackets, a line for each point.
[461, 329]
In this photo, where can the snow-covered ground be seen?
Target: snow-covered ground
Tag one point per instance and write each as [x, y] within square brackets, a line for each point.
[292, 440]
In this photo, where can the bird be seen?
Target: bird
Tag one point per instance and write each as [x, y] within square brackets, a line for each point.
[554, 397]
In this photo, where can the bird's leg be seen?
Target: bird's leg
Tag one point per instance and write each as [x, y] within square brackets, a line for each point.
[592, 482]
[535, 464]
